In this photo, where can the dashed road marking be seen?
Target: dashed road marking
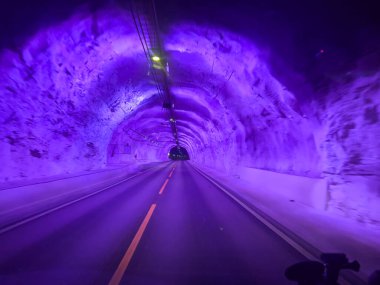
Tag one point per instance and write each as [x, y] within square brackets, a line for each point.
[171, 173]
[164, 186]
[118, 275]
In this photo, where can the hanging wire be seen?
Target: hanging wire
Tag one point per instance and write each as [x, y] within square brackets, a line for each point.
[146, 23]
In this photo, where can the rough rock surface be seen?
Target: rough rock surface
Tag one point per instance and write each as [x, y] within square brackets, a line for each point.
[78, 95]
[352, 147]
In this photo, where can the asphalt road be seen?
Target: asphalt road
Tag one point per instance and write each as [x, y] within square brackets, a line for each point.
[162, 227]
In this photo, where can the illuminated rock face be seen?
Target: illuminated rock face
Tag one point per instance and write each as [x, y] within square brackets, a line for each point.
[352, 148]
[78, 96]
[230, 110]
[63, 93]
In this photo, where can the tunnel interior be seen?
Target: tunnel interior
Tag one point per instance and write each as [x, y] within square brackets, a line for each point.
[260, 88]
[178, 153]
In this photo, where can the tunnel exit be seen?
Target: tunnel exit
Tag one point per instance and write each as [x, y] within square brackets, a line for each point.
[178, 153]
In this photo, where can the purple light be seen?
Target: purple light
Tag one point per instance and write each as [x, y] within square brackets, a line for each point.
[72, 90]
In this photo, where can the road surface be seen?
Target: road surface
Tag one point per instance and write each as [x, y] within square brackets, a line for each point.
[162, 227]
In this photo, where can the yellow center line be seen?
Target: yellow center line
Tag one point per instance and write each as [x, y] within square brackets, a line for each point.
[171, 173]
[163, 186]
[118, 275]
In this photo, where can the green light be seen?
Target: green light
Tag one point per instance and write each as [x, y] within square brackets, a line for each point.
[156, 58]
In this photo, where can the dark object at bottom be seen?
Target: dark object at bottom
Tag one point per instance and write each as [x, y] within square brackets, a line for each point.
[306, 273]
[314, 272]
[374, 279]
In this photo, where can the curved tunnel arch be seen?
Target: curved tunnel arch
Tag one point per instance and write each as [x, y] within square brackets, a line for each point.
[202, 88]
[72, 86]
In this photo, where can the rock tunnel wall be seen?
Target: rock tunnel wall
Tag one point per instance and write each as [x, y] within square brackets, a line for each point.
[78, 96]
[351, 147]
[252, 119]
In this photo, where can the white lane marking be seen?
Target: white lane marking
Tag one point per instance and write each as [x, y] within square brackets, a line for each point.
[37, 216]
[263, 220]
[52, 198]
[281, 234]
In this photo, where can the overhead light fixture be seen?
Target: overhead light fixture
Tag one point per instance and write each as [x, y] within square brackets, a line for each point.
[156, 58]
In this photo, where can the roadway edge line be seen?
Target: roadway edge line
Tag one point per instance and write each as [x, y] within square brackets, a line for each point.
[59, 179]
[52, 198]
[264, 219]
[31, 218]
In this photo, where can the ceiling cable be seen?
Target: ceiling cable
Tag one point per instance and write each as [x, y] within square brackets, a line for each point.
[146, 22]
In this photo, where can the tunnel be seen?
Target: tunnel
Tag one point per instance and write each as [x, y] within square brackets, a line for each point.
[257, 122]
[178, 153]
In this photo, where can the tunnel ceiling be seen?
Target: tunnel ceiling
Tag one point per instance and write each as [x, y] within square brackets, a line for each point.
[77, 92]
